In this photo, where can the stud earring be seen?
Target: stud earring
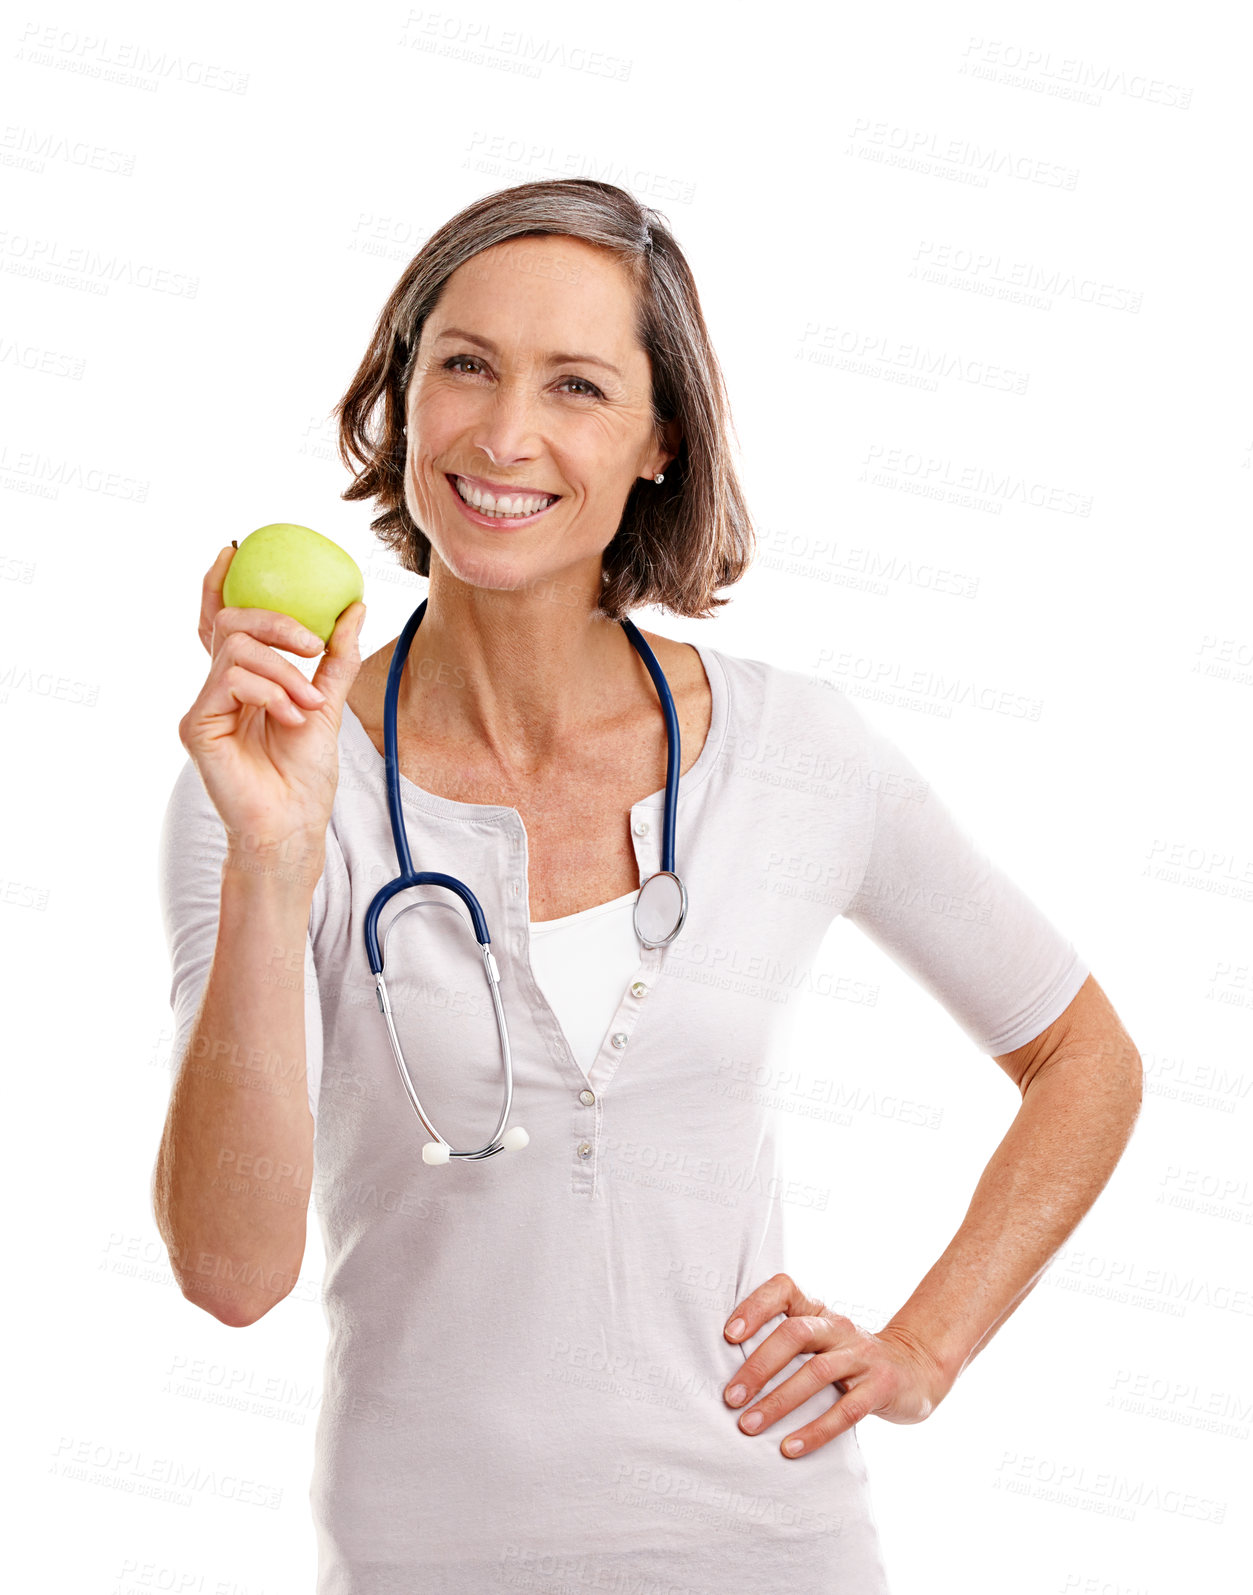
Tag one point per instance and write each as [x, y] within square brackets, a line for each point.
[659, 478]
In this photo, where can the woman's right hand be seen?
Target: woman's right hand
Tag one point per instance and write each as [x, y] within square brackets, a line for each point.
[271, 775]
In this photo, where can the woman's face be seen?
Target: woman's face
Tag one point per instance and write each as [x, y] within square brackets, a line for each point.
[529, 384]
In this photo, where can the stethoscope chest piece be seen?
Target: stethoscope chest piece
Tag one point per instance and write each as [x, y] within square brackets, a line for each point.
[660, 909]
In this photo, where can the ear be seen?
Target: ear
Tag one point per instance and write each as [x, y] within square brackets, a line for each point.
[671, 441]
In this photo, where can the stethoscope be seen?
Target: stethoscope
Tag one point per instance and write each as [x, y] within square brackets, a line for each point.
[658, 914]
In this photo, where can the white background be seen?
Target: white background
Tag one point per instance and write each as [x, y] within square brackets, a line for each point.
[1040, 207]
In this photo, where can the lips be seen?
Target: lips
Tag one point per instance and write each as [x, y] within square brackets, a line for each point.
[497, 521]
[499, 499]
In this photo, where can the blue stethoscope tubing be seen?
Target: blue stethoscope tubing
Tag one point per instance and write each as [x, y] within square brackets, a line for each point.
[439, 1149]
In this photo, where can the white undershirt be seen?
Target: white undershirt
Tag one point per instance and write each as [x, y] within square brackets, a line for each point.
[583, 963]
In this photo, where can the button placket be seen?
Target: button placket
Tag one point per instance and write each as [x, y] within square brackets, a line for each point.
[586, 1111]
[588, 1106]
[617, 1040]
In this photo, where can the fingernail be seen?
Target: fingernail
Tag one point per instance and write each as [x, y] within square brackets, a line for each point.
[793, 1446]
[736, 1394]
[735, 1328]
[751, 1423]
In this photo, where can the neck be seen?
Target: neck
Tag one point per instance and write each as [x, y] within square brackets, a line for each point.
[521, 673]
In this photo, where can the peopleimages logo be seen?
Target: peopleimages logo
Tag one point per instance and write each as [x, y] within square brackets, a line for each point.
[125, 61]
[80, 266]
[484, 43]
[888, 675]
[1067, 76]
[45, 684]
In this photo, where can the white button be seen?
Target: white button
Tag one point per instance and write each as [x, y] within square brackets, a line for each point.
[641, 827]
[585, 1149]
[587, 1098]
[619, 1039]
[517, 888]
[639, 988]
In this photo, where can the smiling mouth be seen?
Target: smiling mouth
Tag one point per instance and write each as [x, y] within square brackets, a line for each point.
[506, 507]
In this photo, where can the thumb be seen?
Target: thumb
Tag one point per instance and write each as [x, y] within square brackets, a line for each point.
[338, 667]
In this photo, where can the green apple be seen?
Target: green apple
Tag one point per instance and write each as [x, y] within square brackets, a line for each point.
[295, 571]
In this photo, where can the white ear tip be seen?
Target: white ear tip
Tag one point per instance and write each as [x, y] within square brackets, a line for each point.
[514, 1139]
[435, 1152]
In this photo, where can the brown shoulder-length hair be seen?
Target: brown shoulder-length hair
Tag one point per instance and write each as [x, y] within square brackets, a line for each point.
[676, 544]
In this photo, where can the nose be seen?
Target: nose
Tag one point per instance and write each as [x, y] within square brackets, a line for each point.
[504, 429]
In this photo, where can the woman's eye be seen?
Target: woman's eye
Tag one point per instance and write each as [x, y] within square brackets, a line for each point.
[588, 389]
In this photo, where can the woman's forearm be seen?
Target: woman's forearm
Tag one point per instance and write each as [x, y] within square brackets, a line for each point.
[233, 1174]
[1076, 1118]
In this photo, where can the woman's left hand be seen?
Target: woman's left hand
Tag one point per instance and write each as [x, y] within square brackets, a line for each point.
[888, 1374]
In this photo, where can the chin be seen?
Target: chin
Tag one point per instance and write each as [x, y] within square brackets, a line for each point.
[502, 573]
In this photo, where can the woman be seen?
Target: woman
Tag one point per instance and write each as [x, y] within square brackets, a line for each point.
[544, 1366]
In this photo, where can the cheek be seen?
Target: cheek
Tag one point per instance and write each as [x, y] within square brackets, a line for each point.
[439, 419]
[420, 490]
[423, 479]
[599, 439]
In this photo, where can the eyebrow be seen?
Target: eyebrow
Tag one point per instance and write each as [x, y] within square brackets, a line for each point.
[553, 359]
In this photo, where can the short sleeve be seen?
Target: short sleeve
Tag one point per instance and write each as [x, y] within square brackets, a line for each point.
[942, 910]
[191, 853]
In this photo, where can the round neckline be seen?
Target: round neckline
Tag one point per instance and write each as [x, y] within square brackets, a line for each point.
[415, 796]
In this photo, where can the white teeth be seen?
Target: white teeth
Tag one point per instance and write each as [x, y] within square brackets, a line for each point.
[518, 505]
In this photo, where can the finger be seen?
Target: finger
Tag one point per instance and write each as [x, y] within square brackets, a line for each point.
[779, 1294]
[795, 1335]
[818, 1371]
[243, 649]
[338, 667]
[235, 685]
[845, 1411]
[266, 625]
[211, 594]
